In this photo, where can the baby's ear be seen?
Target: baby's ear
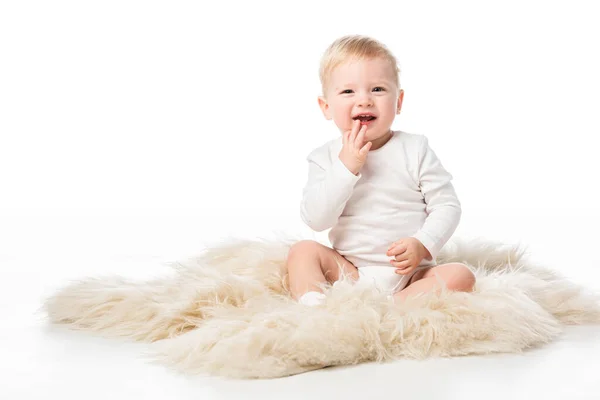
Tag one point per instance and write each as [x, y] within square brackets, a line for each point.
[324, 107]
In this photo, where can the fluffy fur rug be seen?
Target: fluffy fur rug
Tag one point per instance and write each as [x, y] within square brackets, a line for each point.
[228, 312]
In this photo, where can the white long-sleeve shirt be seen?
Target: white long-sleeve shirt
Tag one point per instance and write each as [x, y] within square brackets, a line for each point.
[402, 190]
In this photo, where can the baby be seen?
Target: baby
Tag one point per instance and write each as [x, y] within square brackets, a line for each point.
[388, 199]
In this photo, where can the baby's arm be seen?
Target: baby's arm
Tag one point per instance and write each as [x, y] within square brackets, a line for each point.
[330, 183]
[326, 193]
[442, 204]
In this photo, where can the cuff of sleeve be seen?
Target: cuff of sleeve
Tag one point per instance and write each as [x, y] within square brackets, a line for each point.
[339, 169]
[428, 242]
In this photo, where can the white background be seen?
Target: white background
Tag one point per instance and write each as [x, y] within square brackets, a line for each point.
[136, 132]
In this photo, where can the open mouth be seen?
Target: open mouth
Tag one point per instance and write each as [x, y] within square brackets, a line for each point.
[364, 118]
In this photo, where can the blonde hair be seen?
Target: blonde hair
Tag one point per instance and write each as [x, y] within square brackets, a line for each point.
[354, 47]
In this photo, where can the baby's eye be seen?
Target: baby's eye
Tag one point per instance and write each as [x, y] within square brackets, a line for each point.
[346, 91]
[379, 87]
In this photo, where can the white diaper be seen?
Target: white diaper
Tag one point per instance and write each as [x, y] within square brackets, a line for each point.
[385, 278]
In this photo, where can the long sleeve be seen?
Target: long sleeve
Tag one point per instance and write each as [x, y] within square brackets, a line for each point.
[442, 205]
[329, 187]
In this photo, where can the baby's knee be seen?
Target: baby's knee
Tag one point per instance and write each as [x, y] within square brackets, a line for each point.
[463, 279]
[304, 248]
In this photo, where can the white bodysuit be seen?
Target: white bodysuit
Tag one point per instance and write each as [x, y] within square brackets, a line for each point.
[401, 191]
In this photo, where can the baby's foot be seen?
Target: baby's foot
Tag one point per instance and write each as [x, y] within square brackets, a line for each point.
[312, 298]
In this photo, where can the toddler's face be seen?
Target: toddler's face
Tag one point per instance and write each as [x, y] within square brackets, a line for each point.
[359, 87]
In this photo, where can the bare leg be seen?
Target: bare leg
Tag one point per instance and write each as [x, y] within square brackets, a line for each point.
[310, 263]
[454, 276]
[421, 286]
[305, 274]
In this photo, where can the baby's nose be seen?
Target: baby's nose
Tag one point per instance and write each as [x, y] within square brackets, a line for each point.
[365, 100]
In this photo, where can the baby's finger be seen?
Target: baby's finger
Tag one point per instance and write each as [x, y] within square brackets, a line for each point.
[401, 266]
[354, 132]
[360, 138]
[396, 250]
[396, 243]
[365, 149]
[400, 258]
[404, 271]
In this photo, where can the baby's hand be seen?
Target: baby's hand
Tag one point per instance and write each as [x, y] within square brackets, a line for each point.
[408, 253]
[354, 151]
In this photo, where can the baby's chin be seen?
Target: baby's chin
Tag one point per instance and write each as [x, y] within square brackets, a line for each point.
[377, 135]
[377, 132]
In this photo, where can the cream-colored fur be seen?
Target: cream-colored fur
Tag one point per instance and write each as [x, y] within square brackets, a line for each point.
[228, 312]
